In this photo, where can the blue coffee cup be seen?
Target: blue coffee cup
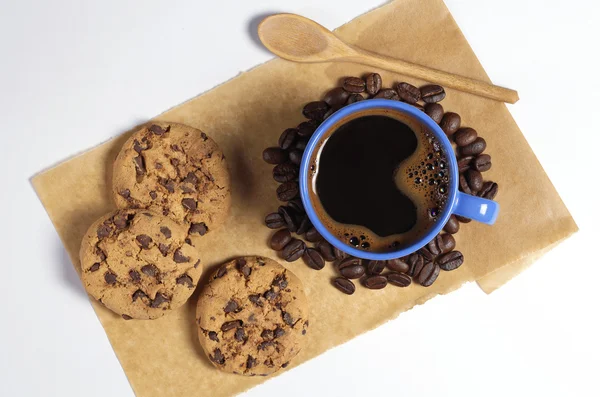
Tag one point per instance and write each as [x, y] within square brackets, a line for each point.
[459, 203]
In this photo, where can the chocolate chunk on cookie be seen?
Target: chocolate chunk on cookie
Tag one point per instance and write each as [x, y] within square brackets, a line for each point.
[174, 170]
[132, 261]
[252, 316]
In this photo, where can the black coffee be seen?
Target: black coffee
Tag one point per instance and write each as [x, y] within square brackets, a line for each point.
[379, 180]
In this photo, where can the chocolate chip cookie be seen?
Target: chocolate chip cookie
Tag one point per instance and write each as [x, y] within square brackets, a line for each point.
[252, 316]
[139, 264]
[174, 170]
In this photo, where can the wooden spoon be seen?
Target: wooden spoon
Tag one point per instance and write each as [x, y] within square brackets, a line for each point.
[300, 39]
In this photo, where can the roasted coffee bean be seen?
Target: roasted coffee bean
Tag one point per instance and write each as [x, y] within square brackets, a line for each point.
[353, 98]
[415, 261]
[301, 144]
[287, 191]
[482, 163]
[448, 243]
[452, 226]
[293, 250]
[463, 219]
[315, 110]
[339, 254]
[274, 155]
[489, 190]
[307, 128]
[450, 123]
[313, 236]
[373, 83]
[344, 285]
[463, 184]
[475, 180]
[326, 250]
[296, 205]
[408, 92]
[464, 136]
[313, 259]
[351, 268]
[432, 93]
[398, 279]
[418, 106]
[376, 282]
[375, 267]
[354, 84]
[398, 266]
[274, 221]
[331, 111]
[285, 172]
[450, 261]
[387, 93]
[429, 274]
[280, 239]
[464, 163]
[289, 218]
[434, 245]
[435, 111]
[296, 156]
[349, 261]
[287, 138]
[474, 148]
[426, 254]
[304, 224]
[336, 97]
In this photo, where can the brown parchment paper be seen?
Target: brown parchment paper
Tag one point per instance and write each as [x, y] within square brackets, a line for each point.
[247, 114]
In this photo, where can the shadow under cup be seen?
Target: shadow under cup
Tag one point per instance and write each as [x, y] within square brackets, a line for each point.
[455, 201]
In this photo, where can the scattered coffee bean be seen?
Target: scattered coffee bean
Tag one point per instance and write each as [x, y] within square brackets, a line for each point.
[464, 136]
[482, 163]
[354, 84]
[463, 219]
[351, 268]
[475, 180]
[376, 282]
[296, 156]
[287, 191]
[464, 163]
[398, 266]
[435, 111]
[289, 218]
[429, 274]
[330, 112]
[280, 239]
[415, 261]
[398, 279]
[326, 250]
[293, 250]
[474, 148]
[450, 261]
[313, 259]
[285, 172]
[432, 93]
[448, 243]
[375, 267]
[296, 205]
[306, 128]
[373, 83]
[344, 285]
[305, 224]
[450, 123]
[339, 254]
[315, 110]
[287, 138]
[274, 155]
[434, 245]
[489, 190]
[274, 221]
[312, 235]
[463, 185]
[301, 144]
[353, 98]
[426, 254]
[336, 97]
[452, 226]
[387, 93]
[408, 92]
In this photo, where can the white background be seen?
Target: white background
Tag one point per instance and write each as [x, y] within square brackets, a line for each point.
[76, 73]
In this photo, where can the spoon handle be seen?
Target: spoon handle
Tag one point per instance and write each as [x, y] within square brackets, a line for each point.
[445, 79]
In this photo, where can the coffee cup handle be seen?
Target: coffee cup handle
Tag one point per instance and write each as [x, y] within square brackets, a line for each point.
[476, 208]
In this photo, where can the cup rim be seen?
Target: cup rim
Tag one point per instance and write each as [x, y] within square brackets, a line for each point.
[432, 126]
